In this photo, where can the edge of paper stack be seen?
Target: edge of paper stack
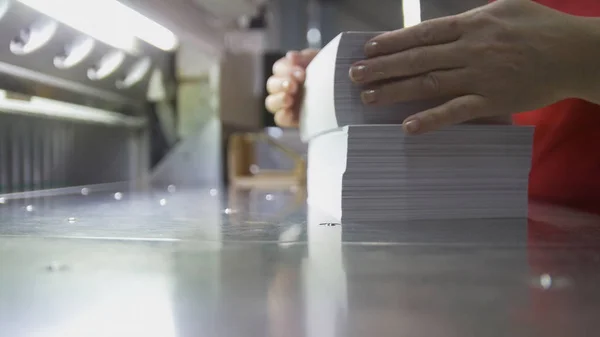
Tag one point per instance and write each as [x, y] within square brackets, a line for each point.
[362, 168]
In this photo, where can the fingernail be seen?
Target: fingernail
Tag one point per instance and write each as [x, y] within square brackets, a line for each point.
[369, 96]
[412, 126]
[298, 75]
[371, 48]
[358, 72]
[291, 54]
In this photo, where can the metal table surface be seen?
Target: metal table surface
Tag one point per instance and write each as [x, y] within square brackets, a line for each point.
[206, 262]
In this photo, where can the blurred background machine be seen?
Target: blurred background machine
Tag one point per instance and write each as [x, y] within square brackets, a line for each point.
[105, 92]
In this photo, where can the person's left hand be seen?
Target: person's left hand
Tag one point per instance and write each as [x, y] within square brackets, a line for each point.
[507, 57]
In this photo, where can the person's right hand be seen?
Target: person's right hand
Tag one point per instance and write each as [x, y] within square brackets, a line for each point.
[285, 86]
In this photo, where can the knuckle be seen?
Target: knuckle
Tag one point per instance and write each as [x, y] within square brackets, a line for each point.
[431, 83]
[437, 118]
[461, 111]
[378, 69]
[416, 60]
[426, 34]
[482, 49]
[454, 24]
[504, 33]
[268, 105]
[271, 103]
[464, 110]
[270, 84]
[482, 19]
[275, 66]
[279, 65]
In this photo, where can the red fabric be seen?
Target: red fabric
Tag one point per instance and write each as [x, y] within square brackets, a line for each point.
[566, 155]
[565, 170]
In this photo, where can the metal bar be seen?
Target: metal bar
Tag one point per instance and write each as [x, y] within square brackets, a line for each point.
[58, 110]
[76, 87]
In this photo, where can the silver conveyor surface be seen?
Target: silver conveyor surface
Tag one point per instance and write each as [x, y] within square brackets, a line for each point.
[210, 262]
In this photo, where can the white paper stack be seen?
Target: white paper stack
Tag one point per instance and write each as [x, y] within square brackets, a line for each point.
[362, 167]
[375, 173]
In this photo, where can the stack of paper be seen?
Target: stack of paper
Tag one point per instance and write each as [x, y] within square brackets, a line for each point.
[376, 173]
[363, 168]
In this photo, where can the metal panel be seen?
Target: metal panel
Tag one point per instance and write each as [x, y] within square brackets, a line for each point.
[42, 153]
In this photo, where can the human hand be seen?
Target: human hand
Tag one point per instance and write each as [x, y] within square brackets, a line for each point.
[507, 57]
[285, 86]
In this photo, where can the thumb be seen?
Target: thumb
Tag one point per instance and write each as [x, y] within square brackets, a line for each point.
[456, 111]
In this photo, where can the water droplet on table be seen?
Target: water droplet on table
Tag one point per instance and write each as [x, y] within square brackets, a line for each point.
[546, 281]
[229, 211]
[55, 266]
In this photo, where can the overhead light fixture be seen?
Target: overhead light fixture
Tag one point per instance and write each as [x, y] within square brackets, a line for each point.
[108, 21]
[411, 12]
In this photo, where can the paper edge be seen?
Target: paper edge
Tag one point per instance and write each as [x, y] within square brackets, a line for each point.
[325, 172]
[317, 111]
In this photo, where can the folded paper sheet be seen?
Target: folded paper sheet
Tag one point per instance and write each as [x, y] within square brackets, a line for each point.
[331, 100]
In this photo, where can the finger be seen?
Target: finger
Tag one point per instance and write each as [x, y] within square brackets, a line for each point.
[285, 118]
[278, 101]
[427, 33]
[282, 84]
[284, 67]
[439, 84]
[456, 111]
[408, 63]
[294, 64]
[302, 58]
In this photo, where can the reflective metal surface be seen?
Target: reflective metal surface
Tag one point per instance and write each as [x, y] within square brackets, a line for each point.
[211, 262]
[38, 153]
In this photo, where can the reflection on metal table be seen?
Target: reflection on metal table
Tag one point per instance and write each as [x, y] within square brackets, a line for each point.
[210, 262]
